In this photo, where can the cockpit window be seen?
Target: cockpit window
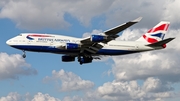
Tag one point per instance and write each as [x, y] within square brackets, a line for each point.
[20, 35]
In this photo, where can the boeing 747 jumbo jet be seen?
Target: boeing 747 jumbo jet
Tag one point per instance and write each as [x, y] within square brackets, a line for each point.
[92, 47]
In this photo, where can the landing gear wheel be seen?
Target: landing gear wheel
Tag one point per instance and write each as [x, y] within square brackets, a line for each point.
[24, 54]
[84, 59]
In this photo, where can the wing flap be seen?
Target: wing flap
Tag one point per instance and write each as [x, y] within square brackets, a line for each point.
[94, 48]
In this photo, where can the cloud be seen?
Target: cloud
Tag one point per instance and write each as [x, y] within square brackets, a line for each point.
[151, 11]
[170, 12]
[74, 98]
[40, 14]
[158, 70]
[120, 91]
[69, 80]
[155, 85]
[13, 66]
[94, 32]
[127, 91]
[163, 64]
[44, 97]
[34, 14]
[14, 96]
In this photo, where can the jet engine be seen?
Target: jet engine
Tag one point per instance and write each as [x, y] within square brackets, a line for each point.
[68, 46]
[72, 46]
[98, 38]
[68, 58]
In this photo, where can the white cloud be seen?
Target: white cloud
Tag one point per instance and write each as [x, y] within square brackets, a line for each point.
[127, 91]
[74, 98]
[120, 91]
[70, 81]
[13, 96]
[94, 32]
[155, 85]
[170, 12]
[44, 97]
[152, 12]
[33, 14]
[132, 35]
[163, 64]
[13, 66]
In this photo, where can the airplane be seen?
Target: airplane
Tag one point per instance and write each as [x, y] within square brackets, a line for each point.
[94, 46]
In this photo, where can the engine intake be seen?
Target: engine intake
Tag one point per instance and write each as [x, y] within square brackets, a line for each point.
[68, 58]
[98, 38]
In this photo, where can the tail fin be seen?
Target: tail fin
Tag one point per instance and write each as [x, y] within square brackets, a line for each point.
[155, 34]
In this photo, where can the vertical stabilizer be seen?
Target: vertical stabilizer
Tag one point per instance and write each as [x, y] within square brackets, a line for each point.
[156, 33]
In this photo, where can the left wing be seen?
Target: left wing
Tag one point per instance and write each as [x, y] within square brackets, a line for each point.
[122, 27]
[94, 43]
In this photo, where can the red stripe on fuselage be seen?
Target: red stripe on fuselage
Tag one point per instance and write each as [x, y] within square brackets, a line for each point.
[36, 35]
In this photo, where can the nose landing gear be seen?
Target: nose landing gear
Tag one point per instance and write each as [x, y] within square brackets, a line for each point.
[24, 54]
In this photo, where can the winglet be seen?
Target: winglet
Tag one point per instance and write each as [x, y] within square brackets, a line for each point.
[137, 20]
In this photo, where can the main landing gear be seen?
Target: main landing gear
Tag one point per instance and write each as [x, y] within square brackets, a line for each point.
[24, 54]
[84, 59]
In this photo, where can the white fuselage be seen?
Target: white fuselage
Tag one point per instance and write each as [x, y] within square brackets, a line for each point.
[53, 44]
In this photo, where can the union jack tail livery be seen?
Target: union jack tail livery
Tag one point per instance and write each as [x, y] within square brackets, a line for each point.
[156, 33]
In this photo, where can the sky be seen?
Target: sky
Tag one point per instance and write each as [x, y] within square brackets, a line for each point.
[147, 76]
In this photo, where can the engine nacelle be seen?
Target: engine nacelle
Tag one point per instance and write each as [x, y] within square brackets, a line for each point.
[72, 46]
[98, 38]
[68, 58]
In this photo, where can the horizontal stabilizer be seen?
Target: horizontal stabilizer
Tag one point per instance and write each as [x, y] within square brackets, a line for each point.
[160, 43]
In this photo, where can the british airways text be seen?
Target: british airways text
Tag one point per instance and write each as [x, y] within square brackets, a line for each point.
[57, 40]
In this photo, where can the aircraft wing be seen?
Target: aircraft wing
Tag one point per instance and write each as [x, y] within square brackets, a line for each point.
[108, 35]
[122, 27]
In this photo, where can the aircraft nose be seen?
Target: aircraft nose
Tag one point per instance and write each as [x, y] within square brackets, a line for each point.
[8, 42]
